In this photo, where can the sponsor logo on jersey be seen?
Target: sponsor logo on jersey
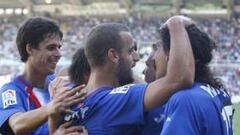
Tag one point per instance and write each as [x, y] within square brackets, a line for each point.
[123, 89]
[9, 98]
[80, 114]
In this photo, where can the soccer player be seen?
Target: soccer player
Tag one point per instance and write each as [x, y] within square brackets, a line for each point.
[113, 110]
[25, 101]
[154, 118]
[149, 71]
[79, 70]
[204, 109]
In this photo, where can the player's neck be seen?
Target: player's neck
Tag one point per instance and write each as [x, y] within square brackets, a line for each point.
[100, 78]
[35, 78]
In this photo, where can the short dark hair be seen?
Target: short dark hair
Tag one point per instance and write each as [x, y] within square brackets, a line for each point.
[202, 46]
[79, 67]
[102, 38]
[33, 31]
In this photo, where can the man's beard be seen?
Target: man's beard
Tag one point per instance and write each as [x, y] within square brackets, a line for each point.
[124, 74]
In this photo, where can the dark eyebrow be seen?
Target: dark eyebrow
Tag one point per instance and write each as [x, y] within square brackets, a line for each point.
[53, 45]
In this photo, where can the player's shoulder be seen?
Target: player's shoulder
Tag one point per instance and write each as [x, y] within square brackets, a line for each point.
[215, 91]
[8, 93]
[188, 94]
[126, 88]
[10, 85]
[12, 88]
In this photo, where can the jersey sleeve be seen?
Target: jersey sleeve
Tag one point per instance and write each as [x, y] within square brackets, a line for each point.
[12, 100]
[126, 104]
[181, 118]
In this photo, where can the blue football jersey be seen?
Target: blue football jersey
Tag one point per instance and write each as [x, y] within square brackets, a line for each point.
[201, 110]
[111, 111]
[14, 98]
[153, 122]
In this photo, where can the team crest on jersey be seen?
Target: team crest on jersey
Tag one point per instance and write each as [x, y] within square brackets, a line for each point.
[124, 89]
[9, 98]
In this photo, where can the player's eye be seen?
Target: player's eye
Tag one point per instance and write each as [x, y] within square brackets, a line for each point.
[131, 50]
[51, 48]
[60, 46]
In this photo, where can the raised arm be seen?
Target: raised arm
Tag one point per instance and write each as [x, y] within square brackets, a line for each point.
[180, 69]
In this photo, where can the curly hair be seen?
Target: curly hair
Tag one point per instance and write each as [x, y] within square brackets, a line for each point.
[202, 46]
[79, 67]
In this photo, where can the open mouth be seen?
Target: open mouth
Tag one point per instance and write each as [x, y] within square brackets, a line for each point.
[53, 62]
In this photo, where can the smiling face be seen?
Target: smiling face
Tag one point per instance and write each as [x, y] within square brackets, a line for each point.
[44, 58]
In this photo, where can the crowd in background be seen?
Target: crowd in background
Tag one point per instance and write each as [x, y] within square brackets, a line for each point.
[226, 33]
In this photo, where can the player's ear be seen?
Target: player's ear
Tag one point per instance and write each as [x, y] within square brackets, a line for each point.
[113, 55]
[29, 49]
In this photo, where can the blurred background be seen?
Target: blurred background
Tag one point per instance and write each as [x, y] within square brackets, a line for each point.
[219, 18]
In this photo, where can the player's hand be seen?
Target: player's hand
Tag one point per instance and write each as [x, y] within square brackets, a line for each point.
[56, 84]
[186, 21]
[67, 129]
[64, 97]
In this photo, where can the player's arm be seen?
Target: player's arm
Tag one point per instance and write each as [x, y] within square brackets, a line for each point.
[25, 122]
[53, 123]
[180, 69]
